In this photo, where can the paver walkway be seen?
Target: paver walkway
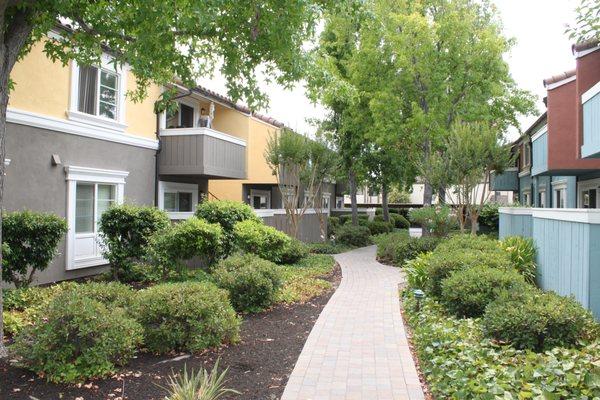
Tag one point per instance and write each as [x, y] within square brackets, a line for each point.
[358, 348]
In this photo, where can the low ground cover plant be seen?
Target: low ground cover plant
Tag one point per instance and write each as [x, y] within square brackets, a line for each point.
[30, 241]
[304, 280]
[76, 337]
[188, 316]
[251, 281]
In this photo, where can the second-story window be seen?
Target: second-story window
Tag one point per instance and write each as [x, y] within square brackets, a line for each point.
[98, 92]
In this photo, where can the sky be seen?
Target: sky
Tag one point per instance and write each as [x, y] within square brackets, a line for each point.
[542, 50]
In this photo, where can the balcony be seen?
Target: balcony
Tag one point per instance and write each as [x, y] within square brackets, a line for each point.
[591, 123]
[202, 152]
[506, 181]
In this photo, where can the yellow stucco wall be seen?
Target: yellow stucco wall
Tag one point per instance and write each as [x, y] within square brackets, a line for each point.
[256, 167]
[43, 87]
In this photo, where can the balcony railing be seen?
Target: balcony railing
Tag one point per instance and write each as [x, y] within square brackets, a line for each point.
[202, 152]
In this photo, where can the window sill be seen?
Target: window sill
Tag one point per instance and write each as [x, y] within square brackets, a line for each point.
[96, 121]
[180, 215]
[88, 263]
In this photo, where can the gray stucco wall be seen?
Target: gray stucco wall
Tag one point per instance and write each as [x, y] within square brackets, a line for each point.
[32, 182]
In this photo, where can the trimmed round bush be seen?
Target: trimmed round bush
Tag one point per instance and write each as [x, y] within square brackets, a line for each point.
[111, 294]
[187, 316]
[126, 230]
[351, 235]
[536, 320]
[226, 213]
[258, 238]
[379, 227]
[30, 241]
[399, 221]
[251, 281]
[185, 240]
[294, 252]
[332, 224]
[467, 293]
[444, 262]
[77, 338]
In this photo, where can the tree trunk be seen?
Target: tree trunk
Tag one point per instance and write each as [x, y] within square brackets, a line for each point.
[474, 215]
[353, 203]
[427, 200]
[442, 194]
[384, 203]
[4, 74]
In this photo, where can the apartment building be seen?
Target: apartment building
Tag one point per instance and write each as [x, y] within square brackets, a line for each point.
[557, 164]
[76, 144]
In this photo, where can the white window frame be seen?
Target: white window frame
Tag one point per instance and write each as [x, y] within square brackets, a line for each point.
[527, 197]
[75, 175]
[559, 186]
[173, 187]
[258, 192]
[585, 186]
[74, 114]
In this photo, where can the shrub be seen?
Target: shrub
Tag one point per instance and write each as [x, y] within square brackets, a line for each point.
[77, 338]
[416, 270]
[460, 363]
[522, 254]
[444, 262]
[379, 227]
[226, 213]
[125, 231]
[466, 293]
[332, 224]
[399, 221]
[397, 248]
[188, 239]
[294, 251]
[468, 242]
[188, 316]
[354, 235]
[438, 220]
[251, 281]
[111, 294]
[536, 320]
[489, 216]
[258, 238]
[31, 239]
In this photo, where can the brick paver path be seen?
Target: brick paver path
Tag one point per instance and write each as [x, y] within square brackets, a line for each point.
[358, 347]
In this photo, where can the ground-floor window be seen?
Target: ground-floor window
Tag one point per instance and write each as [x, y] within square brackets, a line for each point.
[559, 198]
[542, 198]
[588, 193]
[260, 199]
[91, 192]
[339, 202]
[176, 197]
[325, 204]
[527, 198]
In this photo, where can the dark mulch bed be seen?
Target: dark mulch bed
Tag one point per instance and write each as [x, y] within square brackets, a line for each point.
[259, 365]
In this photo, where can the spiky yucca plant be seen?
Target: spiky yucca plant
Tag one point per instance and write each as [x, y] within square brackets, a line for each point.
[202, 385]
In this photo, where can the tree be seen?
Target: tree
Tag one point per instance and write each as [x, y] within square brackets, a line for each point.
[587, 22]
[292, 160]
[329, 84]
[325, 164]
[472, 151]
[448, 58]
[160, 41]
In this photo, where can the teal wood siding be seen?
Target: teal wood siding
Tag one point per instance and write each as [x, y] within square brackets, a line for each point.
[508, 180]
[591, 128]
[540, 154]
[563, 257]
[514, 225]
[524, 184]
